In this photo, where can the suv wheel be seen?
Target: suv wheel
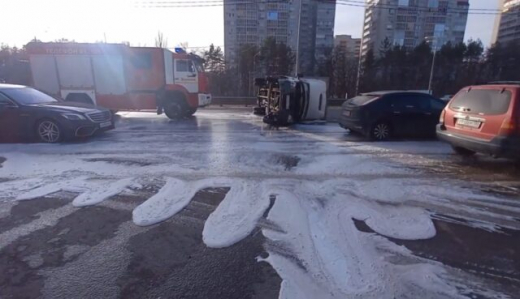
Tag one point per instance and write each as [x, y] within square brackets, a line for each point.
[463, 151]
[381, 131]
[48, 131]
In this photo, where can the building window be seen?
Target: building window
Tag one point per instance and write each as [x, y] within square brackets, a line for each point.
[399, 38]
[404, 2]
[272, 15]
[433, 3]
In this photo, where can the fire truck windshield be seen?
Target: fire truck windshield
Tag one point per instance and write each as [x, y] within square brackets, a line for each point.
[199, 66]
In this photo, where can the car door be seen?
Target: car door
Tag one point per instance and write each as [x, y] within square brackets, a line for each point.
[406, 114]
[9, 119]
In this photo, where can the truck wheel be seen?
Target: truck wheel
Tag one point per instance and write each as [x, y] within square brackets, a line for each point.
[48, 131]
[462, 151]
[173, 109]
[191, 111]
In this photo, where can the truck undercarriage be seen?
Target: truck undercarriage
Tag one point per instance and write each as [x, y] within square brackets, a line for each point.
[287, 100]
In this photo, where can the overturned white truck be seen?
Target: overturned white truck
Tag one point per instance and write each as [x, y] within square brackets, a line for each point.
[287, 100]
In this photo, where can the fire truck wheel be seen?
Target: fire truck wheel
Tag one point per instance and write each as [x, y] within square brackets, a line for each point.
[191, 111]
[173, 109]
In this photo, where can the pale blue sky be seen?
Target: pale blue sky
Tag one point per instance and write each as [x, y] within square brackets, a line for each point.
[121, 20]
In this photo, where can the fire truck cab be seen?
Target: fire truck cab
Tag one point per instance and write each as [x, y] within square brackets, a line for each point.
[120, 77]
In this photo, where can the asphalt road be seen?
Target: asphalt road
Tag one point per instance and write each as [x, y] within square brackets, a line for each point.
[51, 249]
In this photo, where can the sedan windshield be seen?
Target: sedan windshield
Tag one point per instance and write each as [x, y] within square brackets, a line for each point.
[28, 96]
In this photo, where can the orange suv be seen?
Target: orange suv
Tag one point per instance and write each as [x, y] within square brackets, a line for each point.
[483, 119]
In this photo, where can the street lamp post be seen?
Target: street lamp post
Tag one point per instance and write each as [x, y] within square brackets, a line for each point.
[431, 41]
[297, 68]
[432, 70]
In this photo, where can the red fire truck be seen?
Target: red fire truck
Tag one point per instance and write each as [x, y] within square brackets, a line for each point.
[120, 77]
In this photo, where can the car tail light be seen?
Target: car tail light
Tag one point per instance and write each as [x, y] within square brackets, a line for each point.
[510, 126]
[441, 119]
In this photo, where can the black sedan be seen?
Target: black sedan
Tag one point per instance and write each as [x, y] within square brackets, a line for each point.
[385, 114]
[26, 113]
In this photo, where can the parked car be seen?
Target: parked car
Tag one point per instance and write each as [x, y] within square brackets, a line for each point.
[483, 119]
[385, 114]
[26, 113]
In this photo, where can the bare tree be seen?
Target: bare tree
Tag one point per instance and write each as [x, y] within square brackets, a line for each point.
[160, 41]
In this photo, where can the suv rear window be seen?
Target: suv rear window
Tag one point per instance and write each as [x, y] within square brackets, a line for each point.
[363, 99]
[482, 101]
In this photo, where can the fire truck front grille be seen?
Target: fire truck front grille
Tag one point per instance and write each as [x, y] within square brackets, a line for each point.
[99, 117]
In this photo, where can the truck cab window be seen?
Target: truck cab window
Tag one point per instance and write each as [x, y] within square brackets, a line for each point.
[191, 66]
[185, 66]
[182, 66]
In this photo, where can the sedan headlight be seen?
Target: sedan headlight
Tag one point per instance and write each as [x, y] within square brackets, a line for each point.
[73, 116]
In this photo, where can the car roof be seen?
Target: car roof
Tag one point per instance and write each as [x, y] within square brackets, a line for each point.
[9, 86]
[493, 86]
[517, 83]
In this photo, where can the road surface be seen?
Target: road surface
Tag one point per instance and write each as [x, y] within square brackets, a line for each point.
[222, 206]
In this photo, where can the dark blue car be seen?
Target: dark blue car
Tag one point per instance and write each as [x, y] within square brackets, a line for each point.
[382, 115]
[28, 114]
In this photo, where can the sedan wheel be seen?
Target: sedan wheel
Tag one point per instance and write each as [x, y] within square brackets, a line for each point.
[48, 131]
[381, 131]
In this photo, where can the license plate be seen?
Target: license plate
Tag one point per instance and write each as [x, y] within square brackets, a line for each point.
[468, 123]
[346, 113]
[105, 124]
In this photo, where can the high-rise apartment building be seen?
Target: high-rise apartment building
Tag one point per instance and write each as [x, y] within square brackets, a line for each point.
[409, 22]
[249, 22]
[348, 45]
[507, 27]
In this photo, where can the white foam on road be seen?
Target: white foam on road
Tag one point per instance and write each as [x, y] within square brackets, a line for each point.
[171, 199]
[237, 215]
[403, 223]
[316, 248]
[98, 195]
[15, 187]
[76, 184]
[321, 254]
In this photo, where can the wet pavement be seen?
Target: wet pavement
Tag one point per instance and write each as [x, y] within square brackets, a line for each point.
[51, 249]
